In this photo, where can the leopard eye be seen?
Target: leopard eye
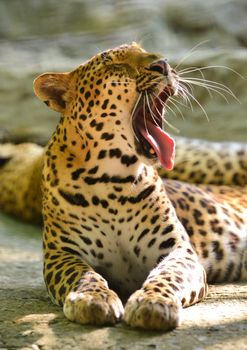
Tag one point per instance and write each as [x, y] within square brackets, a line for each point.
[106, 57]
[122, 67]
[161, 67]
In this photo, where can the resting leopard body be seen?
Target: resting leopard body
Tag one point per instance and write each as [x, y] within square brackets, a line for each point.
[111, 223]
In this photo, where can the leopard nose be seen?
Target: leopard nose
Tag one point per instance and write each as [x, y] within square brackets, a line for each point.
[161, 67]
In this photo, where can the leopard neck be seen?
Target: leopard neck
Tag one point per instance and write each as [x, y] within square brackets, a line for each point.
[98, 158]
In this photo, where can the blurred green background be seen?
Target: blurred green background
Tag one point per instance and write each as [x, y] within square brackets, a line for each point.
[57, 35]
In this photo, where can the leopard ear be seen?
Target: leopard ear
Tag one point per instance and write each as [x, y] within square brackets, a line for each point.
[54, 90]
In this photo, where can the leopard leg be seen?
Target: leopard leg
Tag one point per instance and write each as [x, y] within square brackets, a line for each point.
[83, 293]
[179, 280]
[20, 178]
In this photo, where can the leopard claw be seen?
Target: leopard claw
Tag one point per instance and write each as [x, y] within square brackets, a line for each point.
[151, 312]
[91, 308]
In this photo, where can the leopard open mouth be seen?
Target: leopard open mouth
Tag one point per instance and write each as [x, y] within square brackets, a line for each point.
[152, 140]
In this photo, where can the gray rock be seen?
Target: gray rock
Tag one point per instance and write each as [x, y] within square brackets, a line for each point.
[38, 36]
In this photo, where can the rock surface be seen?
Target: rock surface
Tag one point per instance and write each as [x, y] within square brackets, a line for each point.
[42, 35]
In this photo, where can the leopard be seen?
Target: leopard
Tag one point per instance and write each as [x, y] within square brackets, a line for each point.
[125, 237]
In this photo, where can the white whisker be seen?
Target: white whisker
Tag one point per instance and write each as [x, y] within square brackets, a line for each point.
[172, 98]
[211, 85]
[150, 109]
[194, 69]
[190, 52]
[210, 88]
[162, 115]
[134, 109]
[176, 101]
[198, 103]
[132, 114]
[182, 92]
[185, 70]
[144, 115]
[206, 81]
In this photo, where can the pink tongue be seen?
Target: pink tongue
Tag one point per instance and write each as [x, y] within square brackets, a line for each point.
[162, 143]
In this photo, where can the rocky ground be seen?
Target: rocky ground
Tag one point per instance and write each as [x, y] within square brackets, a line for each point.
[29, 321]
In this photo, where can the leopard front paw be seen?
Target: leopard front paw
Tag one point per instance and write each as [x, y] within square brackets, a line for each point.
[98, 308]
[152, 312]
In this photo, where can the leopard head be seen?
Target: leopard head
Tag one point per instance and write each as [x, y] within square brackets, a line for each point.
[119, 94]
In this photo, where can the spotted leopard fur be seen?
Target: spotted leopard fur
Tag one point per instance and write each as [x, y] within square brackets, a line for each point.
[112, 226]
[217, 163]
